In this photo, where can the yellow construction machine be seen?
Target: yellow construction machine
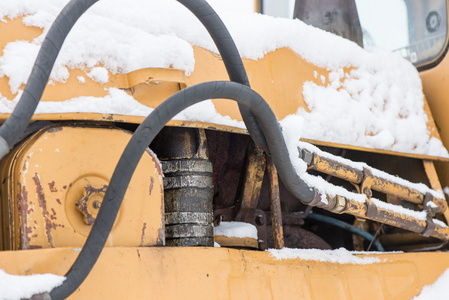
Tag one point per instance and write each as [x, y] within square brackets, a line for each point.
[124, 203]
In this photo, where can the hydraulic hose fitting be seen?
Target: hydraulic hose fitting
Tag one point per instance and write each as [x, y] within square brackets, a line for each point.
[188, 187]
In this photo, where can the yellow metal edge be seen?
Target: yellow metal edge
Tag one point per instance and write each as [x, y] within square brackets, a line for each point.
[211, 126]
[222, 273]
[388, 152]
[93, 117]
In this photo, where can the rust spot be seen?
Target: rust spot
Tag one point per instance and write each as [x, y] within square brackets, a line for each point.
[53, 214]
[28, 230]
[82, 203]
[59, 201]
[143, 234]
[43, 205]
[22, 207]
[151, 184]
[24, 166]
[64, 187]
[52, 187]
[34, 247]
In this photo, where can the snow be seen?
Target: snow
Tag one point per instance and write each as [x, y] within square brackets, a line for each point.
[236, 229]
[370, 98]
[19, 287]
[116, 101]
[205, 111]
[339, 256]
[420, 187]
[437, 290]
[81, 79]
[99, 74]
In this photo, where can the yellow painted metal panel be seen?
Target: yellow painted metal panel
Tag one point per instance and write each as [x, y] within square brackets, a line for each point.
[57, 180]
[152, 86]
[220, 273]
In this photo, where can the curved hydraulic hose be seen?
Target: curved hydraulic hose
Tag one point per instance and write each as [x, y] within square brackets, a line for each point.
[231, 59]
[21, 116]
[346, 226]
[15, 125]
[140, 140]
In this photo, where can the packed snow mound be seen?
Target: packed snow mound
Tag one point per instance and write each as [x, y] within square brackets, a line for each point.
[437, 290]
[21, 287]
[371, 98]
[236, 229]
[338, 256]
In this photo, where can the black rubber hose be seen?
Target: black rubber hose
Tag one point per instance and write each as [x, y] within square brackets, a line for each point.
[15, 125]
[231, 59]
[346, 226]
[140, 140]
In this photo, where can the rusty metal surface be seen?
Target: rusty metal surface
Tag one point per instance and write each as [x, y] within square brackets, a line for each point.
[186, 181]
[275, 207]
[50, 172]
[368, 181]
[227, 153]
[337, 169]
[189, 217]
[252, 182]
[188, 186]
[90, 203]
[431, 173]
[190, 242]
[257, 218]
[187, 165]
[369, 210]
[385, 186]
[255, 171]
[189, 231]
[234, 242]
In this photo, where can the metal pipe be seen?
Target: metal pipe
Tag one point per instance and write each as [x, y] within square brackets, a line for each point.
[356, 176]
[371, 210]
[275, 205]
[346, 226]
[16, 124]
[140, 140]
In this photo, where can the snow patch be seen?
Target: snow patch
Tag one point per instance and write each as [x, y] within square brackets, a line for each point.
[116, 102]
[205, 111]
[437, 290]
[371, 98]
[99, 74]
[236, 229]
[20, 287]
[81, 79]
[339, 256]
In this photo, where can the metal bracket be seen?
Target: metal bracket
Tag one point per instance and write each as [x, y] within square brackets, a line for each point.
[367, 182]
[430, 213]
[371, 208]
[306, 156]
